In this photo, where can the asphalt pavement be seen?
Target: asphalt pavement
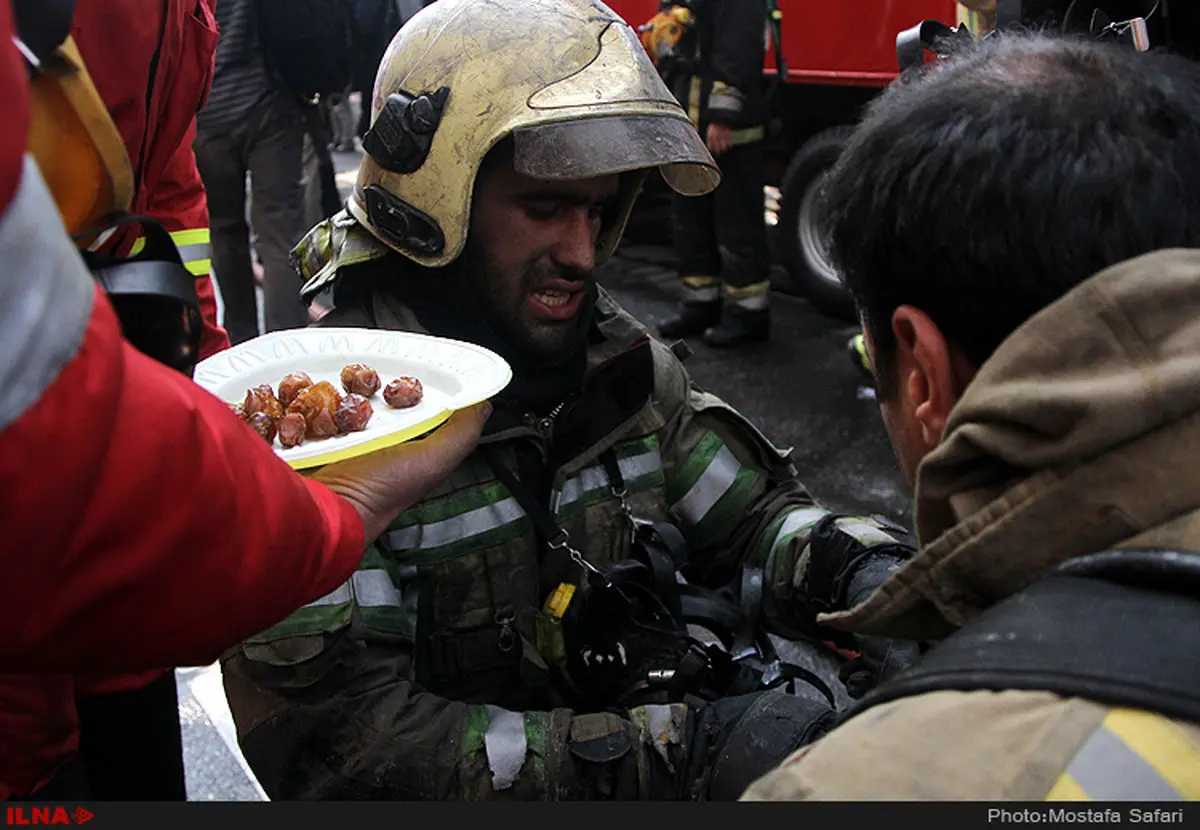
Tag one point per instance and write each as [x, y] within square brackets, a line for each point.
[800, 389]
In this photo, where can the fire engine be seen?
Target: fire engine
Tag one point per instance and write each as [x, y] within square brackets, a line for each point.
[837, 55]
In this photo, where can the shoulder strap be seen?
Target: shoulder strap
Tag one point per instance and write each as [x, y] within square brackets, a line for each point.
[152, 292]
[157, 270]
[1121, 628]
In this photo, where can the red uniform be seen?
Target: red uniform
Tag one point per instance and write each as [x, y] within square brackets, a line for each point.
[152, 86]
[152, 64]
[128, 492]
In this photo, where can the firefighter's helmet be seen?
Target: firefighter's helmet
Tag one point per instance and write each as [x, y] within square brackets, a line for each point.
[567, 79]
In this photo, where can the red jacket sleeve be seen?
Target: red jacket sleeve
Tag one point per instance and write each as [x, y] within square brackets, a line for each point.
[180, 204]
[168, 46]
[14, 103]
[146, 525]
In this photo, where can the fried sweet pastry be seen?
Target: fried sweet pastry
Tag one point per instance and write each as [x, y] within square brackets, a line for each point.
[263, 425]
[403, 393]
[360, 379]
[262, 399]
[293, 385]
[291, 430]
[318, 404]
[353, 413]
[305, 410]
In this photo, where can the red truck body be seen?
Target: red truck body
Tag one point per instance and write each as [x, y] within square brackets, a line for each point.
[844, 42]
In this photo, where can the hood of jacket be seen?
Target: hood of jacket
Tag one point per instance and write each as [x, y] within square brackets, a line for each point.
[1080, 434]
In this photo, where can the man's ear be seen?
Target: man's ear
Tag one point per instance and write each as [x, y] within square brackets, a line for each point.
[930, 370]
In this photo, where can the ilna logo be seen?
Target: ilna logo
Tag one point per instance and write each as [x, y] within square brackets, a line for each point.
[47, 815]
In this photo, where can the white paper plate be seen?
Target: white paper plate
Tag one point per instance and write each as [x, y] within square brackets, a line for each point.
[454, 375]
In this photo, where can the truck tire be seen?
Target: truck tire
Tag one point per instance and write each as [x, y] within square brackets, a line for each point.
[803, 241]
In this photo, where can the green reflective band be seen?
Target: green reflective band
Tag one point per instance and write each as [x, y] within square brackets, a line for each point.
[381, 603]
[308, 621]
[473, 740]
[447, 507]
[784, 530]
[797, 522]
[710, 491]
[725, 513]
[448, 527]
[537, 739]
[683, 479]
[590, 485]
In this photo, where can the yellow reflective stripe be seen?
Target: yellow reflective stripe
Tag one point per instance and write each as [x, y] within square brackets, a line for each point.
[747, 136]
[859, 345]
[756, 289]
[195, 236]
[1066, 788]
[198, 267]
[1172, 753]
[694, 101]
[699, 282]
[1134, 755]
[193, 248]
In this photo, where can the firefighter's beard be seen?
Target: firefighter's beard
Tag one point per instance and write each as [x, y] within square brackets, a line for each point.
[503, 298]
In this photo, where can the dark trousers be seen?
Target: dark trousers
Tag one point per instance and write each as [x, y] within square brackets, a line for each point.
[318, 121]
[131, 745]
[130, 749]
[724, 233]
[270, 146]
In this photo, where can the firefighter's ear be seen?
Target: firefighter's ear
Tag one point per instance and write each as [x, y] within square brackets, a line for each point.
[932, 372]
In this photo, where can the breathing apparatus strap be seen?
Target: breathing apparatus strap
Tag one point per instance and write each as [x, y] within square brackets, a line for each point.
[153, 294]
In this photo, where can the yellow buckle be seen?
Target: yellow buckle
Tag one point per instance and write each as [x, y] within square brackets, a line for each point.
[557, 603]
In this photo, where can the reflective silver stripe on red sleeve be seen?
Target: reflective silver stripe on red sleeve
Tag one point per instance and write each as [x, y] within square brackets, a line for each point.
[45, 296]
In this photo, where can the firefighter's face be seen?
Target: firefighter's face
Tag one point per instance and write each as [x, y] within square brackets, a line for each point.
[531, 255]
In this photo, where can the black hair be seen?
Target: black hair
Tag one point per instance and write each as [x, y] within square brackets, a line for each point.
[985, 187]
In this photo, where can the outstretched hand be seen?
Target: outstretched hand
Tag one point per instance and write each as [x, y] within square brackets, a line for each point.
[382, 484]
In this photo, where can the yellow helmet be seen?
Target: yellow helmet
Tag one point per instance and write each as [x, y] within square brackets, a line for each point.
[567, 79]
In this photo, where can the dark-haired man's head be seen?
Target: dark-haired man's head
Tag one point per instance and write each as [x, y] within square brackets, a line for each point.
[984, 188]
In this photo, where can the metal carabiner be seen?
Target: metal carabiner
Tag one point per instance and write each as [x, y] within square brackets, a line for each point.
[563, 542]
[621, 492]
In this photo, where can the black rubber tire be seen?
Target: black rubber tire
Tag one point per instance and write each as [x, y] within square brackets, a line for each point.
[800, 248]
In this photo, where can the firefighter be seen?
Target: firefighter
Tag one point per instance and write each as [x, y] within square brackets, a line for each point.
[472, 656]
[977, 15]
[721, 238]
[147, 505]
[1029, 301]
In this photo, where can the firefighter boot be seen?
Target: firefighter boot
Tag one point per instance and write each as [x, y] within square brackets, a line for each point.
[693, 319]
[699, 309]
[739, 327]
[746, 317]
